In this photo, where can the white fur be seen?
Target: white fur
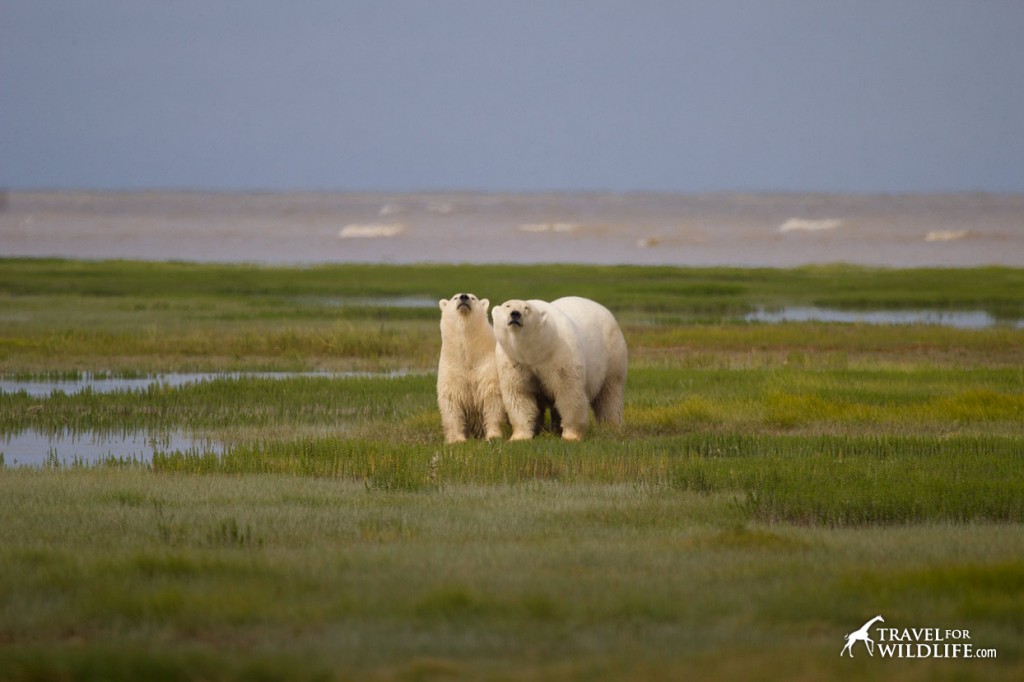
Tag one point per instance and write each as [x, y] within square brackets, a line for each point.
[568, 354]
[467, 375]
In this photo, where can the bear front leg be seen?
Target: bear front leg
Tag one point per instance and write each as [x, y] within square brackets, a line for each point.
[522, 414]
[574, 421]
[517, 393]
[574, 410]
[452, 420]
[494, 416]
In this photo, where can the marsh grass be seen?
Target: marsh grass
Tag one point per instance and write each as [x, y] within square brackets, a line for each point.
[221, 404]
[827, 480]
[109, 569]
[125, 316]
[772, 487]
[660, 401]
[879, 446]
[275, 290]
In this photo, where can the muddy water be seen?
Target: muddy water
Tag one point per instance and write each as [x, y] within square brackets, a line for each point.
[777, 230]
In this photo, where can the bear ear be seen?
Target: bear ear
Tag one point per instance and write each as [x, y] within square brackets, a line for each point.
[485, 303]
[543, 316]
[443, 303]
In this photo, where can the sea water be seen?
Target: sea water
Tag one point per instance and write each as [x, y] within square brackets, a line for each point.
[773, 230]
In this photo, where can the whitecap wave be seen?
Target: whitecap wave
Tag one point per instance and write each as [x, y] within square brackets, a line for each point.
[549, 227]
[945, 235]
[371, 230]
[805, 225]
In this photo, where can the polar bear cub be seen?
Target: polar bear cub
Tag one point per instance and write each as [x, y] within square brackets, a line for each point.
[468, 394]
[569, 353]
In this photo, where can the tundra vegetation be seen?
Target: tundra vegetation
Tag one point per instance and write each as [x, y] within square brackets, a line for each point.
[774, 485]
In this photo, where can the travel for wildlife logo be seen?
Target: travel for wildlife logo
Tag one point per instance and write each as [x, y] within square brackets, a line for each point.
[896, 642]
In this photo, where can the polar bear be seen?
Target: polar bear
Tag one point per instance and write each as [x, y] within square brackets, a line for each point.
[467, 376]
[569, 353]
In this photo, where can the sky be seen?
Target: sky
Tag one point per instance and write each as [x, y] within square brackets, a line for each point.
[857, 96]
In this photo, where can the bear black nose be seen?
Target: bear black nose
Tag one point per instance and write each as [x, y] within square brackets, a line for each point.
[463, 297]
[515, 314]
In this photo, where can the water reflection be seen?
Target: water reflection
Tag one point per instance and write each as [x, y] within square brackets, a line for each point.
[105, 383]
[368, 301]
[67, 448]
[35, 448]
[969, 319]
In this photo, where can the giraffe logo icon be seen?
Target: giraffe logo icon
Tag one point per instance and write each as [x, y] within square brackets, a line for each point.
[862, 635]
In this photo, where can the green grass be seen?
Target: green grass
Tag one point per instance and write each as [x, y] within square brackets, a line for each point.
[274, 291]
[122, 315]
[774, 486]
[298, 577]
[825, 480]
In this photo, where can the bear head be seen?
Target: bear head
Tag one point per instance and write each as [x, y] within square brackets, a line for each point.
[463, 307]
[514, 316]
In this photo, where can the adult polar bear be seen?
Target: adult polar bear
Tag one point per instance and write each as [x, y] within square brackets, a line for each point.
[467, 376]
[569, 353]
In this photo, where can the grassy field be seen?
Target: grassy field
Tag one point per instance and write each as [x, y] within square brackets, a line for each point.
[774, 487]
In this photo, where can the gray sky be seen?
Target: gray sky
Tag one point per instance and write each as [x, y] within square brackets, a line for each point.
[716, 95]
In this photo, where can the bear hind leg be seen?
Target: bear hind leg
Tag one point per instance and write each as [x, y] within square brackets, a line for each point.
[609, 405]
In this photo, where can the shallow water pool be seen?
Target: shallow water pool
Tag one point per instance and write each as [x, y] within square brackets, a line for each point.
[965, 319]
[37, 449]
[104, 383]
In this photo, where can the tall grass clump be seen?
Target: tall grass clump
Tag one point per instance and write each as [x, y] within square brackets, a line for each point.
[817, 480]
[890, 481]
